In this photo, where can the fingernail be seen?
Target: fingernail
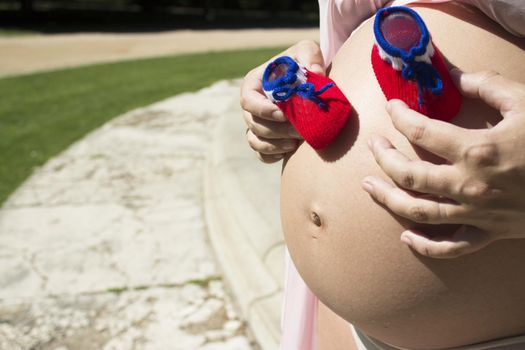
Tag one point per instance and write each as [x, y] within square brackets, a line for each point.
[388, 106]
[456, 74]
[374, 141]
[367, 186]
[317, 68]
[295, 134]
[278, 115]
[392, 103]
[289, 146]
[405, 239]
[455, 71]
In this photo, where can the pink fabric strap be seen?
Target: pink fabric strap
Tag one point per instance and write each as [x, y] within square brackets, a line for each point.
[299, 313]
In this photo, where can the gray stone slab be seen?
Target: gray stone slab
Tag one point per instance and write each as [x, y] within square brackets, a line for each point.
[250, 186]
[105, 246]
[242, 211]
[186, 317]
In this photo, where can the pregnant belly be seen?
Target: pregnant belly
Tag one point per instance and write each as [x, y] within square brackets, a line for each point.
[347, 247]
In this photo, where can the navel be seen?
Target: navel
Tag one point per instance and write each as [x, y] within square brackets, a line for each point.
[316, 219]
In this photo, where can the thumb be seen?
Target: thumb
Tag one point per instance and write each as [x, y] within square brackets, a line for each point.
[317, 68]
[467, 239]
[309, 55]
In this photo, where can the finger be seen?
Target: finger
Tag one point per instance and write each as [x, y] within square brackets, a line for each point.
[270, 146]
[414, 175]
[438, 137]
[309, 55]
[422, 210]
[270, 158]
[466, 240]
[270, 129]
[495, 90]
[254, 101]
[258, 104]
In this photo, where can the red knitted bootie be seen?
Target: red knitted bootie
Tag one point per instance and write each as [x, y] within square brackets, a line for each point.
[314, 105]
[409, 67]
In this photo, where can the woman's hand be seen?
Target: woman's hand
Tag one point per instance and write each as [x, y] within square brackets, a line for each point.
[482, 186]
[269, 133]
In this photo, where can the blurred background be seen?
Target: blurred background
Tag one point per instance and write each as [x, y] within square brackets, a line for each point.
[55, 16]
[133, 215]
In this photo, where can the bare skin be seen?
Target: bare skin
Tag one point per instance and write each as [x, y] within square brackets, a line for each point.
[333, 332]
[351, 255]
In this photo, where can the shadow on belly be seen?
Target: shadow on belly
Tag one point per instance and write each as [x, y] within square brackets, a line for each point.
[344, 142]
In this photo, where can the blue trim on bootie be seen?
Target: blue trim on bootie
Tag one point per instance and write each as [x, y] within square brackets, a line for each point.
[423, 73]
[282, 88]
[288, 78]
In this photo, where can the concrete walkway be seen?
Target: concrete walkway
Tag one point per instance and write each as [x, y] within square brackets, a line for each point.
[106, 246]
[28, 54]
[242, 216]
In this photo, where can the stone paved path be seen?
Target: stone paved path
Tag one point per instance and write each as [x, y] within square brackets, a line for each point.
[28, 54]
[105, 246]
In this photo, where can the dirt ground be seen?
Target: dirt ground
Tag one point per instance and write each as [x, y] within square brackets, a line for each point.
[28, 54]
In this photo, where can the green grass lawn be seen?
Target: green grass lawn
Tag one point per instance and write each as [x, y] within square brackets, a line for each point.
[16, 32]
[41, 114]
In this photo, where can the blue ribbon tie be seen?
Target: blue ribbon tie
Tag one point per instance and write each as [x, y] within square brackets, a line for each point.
[306, 90]
[426, 77]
